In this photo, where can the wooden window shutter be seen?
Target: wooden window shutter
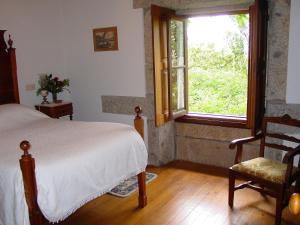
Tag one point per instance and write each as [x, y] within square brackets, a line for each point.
[257, 64]
[160, 18]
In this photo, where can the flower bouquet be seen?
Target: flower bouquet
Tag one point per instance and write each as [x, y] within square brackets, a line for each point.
[53, 85]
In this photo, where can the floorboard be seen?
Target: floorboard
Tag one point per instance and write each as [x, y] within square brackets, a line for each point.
[182, 197]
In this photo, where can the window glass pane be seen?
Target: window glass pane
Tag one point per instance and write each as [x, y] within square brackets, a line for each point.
[218, 64]
[177, 42]
[177, 89]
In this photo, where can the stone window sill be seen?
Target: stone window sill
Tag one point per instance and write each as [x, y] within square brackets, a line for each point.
[215, 120]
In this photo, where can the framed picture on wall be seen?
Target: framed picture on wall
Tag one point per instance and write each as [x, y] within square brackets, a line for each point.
[105, 39]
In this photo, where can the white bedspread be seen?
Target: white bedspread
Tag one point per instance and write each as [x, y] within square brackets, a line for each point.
[75, 161]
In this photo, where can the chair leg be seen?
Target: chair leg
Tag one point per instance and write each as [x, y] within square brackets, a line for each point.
[231, 188]
[297, 187]
[263, 194]
[279, 206]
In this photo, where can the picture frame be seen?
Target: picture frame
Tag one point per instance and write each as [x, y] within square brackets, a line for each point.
[105, 39]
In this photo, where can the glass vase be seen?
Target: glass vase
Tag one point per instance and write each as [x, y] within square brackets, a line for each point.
[54, 97]
[44, 94]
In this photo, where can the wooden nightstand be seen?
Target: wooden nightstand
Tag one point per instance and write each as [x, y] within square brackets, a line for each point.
[56, 110]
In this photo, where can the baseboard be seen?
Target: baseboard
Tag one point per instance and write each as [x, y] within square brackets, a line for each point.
[198, 167]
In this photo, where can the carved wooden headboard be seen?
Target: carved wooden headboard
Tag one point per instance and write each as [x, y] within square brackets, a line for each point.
[9, 92]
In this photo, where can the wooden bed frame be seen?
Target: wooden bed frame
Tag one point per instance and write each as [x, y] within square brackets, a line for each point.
[9, 93]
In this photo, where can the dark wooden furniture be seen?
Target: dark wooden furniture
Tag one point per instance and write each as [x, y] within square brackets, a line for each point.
[268, 177]
[9, 93]
[56, 110]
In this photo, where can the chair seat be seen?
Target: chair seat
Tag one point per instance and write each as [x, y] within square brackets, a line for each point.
[263, 168]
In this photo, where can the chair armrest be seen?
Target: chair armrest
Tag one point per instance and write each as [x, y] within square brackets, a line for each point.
[242, 141]
[239, 143]
[288, 159]
[289, 156]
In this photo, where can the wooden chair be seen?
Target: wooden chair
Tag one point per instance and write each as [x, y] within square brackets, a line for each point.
[267, 176]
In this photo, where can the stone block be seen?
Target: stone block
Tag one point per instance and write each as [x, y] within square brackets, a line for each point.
[210, 152]
[153, 146]
[278, 36]
[293, 110]
[167, 142]
[150, 105]
[122, 104]
[210, 132]
[161, 143]
[275, 108]
[189, 4]
[141, 4]
[149, 79]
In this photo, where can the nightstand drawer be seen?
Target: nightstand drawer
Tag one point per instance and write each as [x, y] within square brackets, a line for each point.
[56, 110]
[63, 110]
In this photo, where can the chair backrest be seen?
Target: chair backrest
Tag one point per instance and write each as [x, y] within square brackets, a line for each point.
[281, 133]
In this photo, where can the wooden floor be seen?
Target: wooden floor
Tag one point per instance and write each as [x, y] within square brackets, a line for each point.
[182, 197]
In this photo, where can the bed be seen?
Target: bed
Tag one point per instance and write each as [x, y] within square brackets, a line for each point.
[74, 162]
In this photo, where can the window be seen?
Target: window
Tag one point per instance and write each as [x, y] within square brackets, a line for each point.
[173, 75]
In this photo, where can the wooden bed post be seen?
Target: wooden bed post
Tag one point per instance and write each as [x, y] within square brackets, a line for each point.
[142, 189]
[138, 121]
[8, 69]
[12, 55]
[139, 126]
[27, 166]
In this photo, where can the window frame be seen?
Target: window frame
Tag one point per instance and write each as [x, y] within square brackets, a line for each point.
[218, 119]
[183, 111]
[258, 19]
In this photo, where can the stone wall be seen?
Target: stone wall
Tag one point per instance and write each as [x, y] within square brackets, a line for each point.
[122, 104]
[278, 36]
[209, 144]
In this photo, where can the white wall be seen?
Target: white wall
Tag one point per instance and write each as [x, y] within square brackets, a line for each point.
[293, 78]
[103, 73]
[35, 27]
[55, 36]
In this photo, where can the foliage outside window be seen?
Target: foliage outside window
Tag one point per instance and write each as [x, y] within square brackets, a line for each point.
[218, 68]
